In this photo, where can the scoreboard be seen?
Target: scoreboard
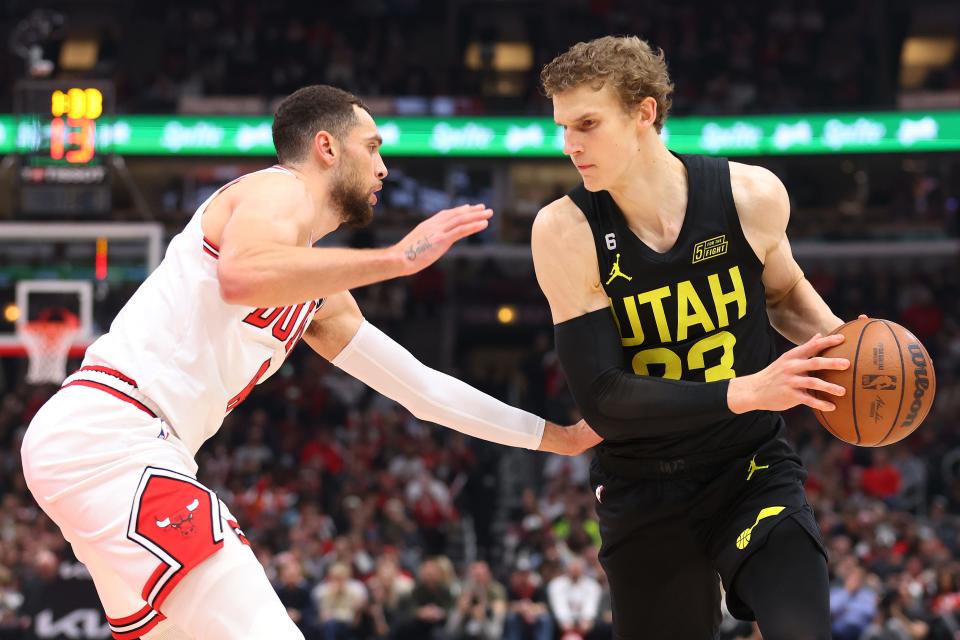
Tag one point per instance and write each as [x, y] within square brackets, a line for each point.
[62, 174]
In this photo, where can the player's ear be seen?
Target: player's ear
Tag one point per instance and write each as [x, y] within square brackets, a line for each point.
[645, 113]
[326, 148]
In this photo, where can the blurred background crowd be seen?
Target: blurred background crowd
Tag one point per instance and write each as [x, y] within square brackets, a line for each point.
[743, 57]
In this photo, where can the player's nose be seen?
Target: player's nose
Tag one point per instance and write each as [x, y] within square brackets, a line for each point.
[570, 145]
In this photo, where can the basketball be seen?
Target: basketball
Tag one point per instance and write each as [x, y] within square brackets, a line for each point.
[890, 384]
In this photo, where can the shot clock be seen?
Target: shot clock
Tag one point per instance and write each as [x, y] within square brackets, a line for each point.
[63, 174]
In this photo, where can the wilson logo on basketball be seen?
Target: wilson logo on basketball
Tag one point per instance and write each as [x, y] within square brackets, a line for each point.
[919, 360]
[879, 382]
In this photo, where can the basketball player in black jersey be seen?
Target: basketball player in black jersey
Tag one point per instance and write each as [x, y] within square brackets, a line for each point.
[689, 253]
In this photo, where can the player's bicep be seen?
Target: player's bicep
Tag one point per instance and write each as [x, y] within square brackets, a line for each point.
[265, 219]
[764, 208]
[334, 325]
[566, 268]
[781, 273]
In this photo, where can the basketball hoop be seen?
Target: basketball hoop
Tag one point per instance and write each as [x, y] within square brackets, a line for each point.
[47, 341]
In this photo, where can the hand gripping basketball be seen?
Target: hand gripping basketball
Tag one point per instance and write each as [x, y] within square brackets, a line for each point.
[434, 236]
[890, 385]
[787, 381]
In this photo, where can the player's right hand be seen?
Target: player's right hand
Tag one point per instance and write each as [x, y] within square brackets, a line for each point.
[568, 441]
[434, 236]
[786, 382]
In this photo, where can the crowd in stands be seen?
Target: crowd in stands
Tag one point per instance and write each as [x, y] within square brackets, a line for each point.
[374, 525]
[737, 58]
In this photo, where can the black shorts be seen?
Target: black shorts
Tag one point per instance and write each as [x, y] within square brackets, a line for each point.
[666, 537]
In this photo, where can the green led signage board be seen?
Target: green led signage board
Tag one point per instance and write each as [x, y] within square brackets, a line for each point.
[901, 132]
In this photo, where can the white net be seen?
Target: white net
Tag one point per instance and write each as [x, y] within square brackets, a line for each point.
[48, 346]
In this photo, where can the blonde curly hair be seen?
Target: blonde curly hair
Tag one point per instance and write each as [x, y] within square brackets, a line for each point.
[628, 63]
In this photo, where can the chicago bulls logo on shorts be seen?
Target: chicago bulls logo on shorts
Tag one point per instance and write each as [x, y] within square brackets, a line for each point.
[178, 520]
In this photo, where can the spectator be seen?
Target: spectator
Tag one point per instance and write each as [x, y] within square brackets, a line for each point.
[293, 590]
[528, 617]
[853, 604]
[881, 479]
[428, 604]
[575, 601]
[481, 607]
[340, 601]
[892, 623]
[429, 500]
[388, 588]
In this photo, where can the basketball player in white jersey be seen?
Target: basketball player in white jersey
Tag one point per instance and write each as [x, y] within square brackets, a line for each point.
[111, 456]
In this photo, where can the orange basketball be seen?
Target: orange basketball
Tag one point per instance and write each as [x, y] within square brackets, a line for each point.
[890, 384]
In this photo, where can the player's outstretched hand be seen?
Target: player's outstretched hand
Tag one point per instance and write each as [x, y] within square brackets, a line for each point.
[431, 238]
[786, 382]
[568, 441]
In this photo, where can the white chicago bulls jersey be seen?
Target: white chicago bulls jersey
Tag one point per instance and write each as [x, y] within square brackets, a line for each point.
[182, 352]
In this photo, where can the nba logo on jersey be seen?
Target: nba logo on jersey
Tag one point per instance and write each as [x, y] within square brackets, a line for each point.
[599, 493]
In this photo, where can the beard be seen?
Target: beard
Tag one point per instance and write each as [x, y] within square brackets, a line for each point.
[351, 199]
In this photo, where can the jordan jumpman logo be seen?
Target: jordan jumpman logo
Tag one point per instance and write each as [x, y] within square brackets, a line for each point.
[755, 467]
[615, 271]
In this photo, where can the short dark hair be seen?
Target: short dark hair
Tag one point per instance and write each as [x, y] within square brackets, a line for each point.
[306, 111]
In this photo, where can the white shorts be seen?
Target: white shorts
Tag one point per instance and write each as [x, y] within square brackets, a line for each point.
[123, 490]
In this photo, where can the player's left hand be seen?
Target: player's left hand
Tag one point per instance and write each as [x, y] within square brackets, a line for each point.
[434, 236]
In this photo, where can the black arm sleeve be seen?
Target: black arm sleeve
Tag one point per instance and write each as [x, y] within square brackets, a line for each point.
[620, 405]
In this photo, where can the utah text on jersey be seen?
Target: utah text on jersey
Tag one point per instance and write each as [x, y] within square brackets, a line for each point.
[676, 313]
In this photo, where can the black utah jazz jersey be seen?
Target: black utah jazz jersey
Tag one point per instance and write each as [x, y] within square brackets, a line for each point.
[696, 312]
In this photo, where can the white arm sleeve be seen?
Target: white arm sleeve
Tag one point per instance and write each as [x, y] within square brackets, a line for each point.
[375, 359]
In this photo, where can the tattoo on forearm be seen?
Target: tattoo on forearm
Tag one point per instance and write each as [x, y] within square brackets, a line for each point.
[421, 246]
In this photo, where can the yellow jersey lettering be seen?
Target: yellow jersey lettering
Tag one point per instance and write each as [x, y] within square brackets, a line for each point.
[630, 306]
[724, 369]
[672, 365]
[721, 299]
[687, 297]
[655, 299]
